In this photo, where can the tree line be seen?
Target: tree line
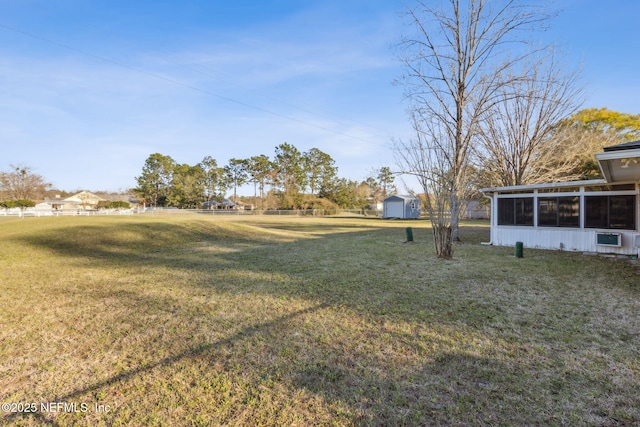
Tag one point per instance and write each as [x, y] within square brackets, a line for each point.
[291, 179]
[571, 143]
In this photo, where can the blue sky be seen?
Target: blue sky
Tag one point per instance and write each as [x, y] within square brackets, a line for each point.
[90, 88]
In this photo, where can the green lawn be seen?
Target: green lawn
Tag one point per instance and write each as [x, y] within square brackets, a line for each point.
[199, 320]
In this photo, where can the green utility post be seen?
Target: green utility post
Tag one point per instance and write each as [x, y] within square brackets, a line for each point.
[519, 249]
[409, 231]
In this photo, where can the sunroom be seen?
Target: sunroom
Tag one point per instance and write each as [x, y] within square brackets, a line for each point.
[593, 216]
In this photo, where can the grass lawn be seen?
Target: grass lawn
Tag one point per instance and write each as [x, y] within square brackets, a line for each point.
[198, 321]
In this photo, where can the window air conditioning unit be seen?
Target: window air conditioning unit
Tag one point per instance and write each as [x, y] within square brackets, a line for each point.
[609, 239]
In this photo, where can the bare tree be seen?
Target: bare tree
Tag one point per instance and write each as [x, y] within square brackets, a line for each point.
[520, 142]
[20, 183]
[429, 157]
[456, 61]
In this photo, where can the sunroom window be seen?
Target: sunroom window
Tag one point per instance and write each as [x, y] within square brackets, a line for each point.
[559, 211]
[611, 212]
[515, 211]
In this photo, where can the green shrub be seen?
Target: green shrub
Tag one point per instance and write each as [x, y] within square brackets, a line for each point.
[25, 203]
[313, 202]
[119, 204]
[8, 204]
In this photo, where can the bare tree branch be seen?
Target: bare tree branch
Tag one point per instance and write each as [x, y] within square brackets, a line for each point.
[517, 139]
[20, 183]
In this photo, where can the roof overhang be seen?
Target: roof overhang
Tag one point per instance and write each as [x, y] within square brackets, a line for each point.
[621, 165]
[543, 186]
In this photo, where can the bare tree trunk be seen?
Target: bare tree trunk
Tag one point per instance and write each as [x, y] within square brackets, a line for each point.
[455, 217]
[423, 157]
[443, 240]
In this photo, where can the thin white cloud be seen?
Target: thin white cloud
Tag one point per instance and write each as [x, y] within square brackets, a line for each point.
[104, 119]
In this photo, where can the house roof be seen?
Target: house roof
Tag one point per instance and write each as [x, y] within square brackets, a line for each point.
[224, 202]
[619, 163]
[546, 185]
[84, 197]
[622, 164]
[626, 146]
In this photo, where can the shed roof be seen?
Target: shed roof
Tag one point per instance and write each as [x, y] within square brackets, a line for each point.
[399, 196]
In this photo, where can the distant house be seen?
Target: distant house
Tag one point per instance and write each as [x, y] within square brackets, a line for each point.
[600, 215]
[475, 210]
[401, 207]
[84, 200]
[375, 205]
[225, 204]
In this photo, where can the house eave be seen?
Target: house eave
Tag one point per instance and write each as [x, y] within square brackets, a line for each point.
[544, 186]
[620, 165]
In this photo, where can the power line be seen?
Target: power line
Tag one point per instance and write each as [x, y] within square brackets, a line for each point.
[177, 82]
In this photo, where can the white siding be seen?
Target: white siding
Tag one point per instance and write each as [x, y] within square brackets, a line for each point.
[569, 239]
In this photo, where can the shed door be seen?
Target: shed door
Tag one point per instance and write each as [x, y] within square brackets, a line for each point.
[395, 209]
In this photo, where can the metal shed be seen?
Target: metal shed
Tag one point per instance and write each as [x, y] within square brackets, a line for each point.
[402, 207]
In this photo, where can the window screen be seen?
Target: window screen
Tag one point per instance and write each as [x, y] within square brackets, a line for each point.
[559, 211]
[611, 212]
[515, 211]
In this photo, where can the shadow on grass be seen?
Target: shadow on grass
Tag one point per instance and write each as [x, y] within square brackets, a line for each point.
[451, 386]
[191, 352]
[365, 269]
[453, 389]
[361, 264]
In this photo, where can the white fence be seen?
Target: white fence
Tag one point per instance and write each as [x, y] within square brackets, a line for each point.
[33, 212]
[269, 212]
